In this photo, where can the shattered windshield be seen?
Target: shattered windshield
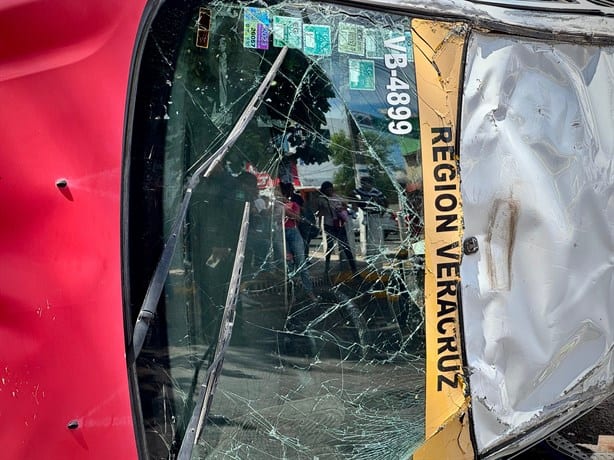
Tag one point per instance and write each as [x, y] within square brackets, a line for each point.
[326, 355]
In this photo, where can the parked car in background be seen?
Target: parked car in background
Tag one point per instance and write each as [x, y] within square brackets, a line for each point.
[389, 222]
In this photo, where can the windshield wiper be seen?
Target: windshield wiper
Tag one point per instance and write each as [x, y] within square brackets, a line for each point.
[156, 285]
[205, 397]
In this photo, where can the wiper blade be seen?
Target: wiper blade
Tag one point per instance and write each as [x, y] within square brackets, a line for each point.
[156, 285]
[205, 397]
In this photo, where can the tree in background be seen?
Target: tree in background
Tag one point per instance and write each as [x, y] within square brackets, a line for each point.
[300, 97]
[343, 154]
[214, 84]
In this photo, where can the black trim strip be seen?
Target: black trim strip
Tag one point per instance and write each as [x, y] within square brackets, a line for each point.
[149, 13]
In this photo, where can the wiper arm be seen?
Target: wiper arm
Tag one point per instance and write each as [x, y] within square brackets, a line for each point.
[156, 285]
[205, 397]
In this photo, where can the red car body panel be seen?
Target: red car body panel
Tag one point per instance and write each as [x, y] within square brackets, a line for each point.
[64, 70]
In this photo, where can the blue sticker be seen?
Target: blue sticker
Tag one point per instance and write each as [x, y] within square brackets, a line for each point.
[256, 28]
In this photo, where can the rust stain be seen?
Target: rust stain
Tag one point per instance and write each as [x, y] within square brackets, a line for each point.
[500, 239]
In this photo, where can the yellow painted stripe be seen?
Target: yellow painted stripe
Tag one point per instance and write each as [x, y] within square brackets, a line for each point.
[438, 52]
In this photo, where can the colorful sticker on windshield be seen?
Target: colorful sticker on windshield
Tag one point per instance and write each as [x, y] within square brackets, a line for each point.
[374, 44]
[351, 39]
[288, 32]
[203, 27]
[256, 25]
[362, 74]
[410, 46]
[316, 40]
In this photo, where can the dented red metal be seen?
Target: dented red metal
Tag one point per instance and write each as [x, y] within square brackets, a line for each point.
[64, 69]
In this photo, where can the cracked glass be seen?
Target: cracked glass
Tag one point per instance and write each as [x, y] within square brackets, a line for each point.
[323, 355]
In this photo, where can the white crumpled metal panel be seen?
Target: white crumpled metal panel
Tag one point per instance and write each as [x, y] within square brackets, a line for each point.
[537, 162]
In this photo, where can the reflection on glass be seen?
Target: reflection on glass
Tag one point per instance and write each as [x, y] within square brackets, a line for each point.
[327, 353]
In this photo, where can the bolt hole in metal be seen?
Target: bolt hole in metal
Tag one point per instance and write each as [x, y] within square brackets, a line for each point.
[73, 425]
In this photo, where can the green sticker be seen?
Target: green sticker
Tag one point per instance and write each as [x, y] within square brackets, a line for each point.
[288, 32]
[351, 39]
[362, 74]
[410, 46]
[316, 40]
[374, 44]
[401, 42]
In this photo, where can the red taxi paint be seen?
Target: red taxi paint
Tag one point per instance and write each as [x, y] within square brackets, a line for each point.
[64, 70]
